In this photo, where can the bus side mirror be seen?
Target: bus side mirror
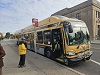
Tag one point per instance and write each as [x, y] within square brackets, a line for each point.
[70, 29]
[87, 35]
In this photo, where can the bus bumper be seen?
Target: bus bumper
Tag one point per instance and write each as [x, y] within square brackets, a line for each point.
[83, 57]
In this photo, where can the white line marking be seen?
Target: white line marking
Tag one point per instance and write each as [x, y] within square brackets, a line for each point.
[95, 62]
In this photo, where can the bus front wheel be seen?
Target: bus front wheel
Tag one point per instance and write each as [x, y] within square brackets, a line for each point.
[67, 62]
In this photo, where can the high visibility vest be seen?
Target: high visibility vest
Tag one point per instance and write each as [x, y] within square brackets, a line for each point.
[22, 49]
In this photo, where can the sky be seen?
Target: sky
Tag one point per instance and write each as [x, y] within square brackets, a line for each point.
[18, 14]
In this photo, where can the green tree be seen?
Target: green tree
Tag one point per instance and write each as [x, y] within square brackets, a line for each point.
[11, 36]
[7, 35]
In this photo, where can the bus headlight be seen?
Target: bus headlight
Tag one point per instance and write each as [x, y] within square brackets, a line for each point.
[71, 53]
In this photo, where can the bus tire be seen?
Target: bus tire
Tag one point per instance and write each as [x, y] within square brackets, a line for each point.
[67, 62]
[48, 53]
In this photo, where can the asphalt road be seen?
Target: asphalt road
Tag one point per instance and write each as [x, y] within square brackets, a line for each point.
[92, 67]
[96, 54]
[89, 68]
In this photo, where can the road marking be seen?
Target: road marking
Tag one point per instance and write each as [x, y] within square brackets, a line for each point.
[95, 62]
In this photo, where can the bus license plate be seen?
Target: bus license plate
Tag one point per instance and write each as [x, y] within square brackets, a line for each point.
[80, 55]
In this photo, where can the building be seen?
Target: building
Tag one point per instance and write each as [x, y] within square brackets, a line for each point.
[89, 12]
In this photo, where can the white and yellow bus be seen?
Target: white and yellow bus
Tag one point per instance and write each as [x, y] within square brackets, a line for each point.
[62, 38]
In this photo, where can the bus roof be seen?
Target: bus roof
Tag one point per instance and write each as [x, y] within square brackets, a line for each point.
[47, 21]
[25, 30]
[55, 19]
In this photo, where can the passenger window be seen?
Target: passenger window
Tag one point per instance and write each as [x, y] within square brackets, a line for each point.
[47, 37]
[39, 37]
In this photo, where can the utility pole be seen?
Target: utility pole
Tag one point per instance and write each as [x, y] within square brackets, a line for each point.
[35, 24]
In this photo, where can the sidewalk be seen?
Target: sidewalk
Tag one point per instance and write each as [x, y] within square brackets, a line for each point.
[35, 64]
[95, 41]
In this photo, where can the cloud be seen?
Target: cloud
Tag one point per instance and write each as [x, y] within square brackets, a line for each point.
[17, 14]
[98, 0]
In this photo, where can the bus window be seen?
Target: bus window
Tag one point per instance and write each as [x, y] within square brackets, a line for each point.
[26, 36]
[47, 35]
[39, 37]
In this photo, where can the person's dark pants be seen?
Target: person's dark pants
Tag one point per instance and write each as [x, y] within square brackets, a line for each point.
[22, 60]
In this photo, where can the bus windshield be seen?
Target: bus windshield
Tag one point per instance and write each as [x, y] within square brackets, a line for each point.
[77, 34]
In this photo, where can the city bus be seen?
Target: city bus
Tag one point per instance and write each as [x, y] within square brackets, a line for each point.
[28, 34]
[64, 39]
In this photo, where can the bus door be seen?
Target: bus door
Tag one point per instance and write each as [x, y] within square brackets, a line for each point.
[32, 41]
[57, 45]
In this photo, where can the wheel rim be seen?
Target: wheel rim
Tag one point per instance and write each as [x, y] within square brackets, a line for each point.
[66, 61]
[48, 54]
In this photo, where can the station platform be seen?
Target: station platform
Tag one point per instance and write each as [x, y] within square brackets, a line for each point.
[35, 64]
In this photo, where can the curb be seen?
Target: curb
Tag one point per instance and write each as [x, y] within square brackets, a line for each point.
[96, 43]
